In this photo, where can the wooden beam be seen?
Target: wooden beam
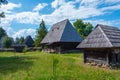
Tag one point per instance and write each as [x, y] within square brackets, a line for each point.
[84, 56]
[107, 57]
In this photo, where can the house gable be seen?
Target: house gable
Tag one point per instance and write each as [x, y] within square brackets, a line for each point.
[62, 32]
[97, 39]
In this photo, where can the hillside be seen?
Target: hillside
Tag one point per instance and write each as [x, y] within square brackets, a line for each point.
[43, 66]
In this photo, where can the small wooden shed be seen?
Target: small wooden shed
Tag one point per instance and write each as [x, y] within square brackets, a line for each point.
[61, 37]
[18, 47]
[102, 45]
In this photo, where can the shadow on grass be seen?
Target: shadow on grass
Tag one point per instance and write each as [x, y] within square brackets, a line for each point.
[13, 64]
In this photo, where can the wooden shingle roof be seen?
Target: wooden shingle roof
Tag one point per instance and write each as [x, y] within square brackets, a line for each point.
[62, 32]
[29, 41]
[102, 36]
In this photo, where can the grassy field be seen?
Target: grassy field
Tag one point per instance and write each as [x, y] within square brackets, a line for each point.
[43, 66]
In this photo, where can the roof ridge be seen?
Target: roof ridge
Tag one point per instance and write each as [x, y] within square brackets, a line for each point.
[60, 21]
[102, 25]
[64, 27]
[105, 36]
[60, 33]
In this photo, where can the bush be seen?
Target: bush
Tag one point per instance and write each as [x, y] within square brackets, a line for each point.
[25, 50]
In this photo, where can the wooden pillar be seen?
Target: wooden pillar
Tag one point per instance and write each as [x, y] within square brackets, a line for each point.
[42, 48]
[84, 56]
[107, 56]
[59, 51]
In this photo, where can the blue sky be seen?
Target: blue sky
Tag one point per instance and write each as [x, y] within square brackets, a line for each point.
[23, 16]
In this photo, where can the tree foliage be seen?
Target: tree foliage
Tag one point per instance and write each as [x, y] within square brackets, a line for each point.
[2, 15]
[19, 40]
[82, 28]
[7, 42]
[3, 2]
[2, 32]
[41, 32]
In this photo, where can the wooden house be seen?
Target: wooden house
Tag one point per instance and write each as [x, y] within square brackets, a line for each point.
[18, 47]
[61, 37]
[29, 42]
[102, 45]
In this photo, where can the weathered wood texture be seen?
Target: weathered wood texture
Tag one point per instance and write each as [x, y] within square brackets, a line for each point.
[102, 36]
[18, 47]
[61, 37]
[29, 42]
[102, 45]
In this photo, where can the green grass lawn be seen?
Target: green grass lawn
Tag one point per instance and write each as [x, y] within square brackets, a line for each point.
[43, 66]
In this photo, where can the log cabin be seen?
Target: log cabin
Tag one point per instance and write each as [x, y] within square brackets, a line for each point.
[102, 45]
[62, 37]
[28, 43]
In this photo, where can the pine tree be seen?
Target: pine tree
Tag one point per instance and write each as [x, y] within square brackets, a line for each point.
[19, 40]
[41, 32]
[2, 32]
[7, 41]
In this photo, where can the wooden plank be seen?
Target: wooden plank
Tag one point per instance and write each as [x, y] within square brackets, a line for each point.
[84, 56]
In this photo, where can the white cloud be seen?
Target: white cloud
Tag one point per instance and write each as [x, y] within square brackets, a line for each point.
[57, 3]
[22, 17]
[87, 9]
[90, 3]
[62, 9]
[65, 10]
[27, 17]
[69, 10]
[105, 22]
[8, 30]
[24, 32]
[9, 7]
[40, 6]
[112, 1]
[115, 7]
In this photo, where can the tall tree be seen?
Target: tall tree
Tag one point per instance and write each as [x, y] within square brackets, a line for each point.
[82, 28]
[88, 28]
[7, 42]
[2, 32]
[41, 32]
[19, 40]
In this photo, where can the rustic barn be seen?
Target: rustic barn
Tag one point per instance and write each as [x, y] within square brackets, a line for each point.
[102, 45]
[18, 47]
[61, 37]
[29, 42]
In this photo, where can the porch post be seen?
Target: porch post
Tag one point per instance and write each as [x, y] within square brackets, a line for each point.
[107, 57]
[84, 56]
[59, 50]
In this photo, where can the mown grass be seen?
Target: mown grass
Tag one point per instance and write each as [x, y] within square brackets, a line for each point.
[43, 66]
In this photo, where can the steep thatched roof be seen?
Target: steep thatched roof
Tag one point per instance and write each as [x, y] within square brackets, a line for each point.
[62, 32]
[29, 41]
[102, 36]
